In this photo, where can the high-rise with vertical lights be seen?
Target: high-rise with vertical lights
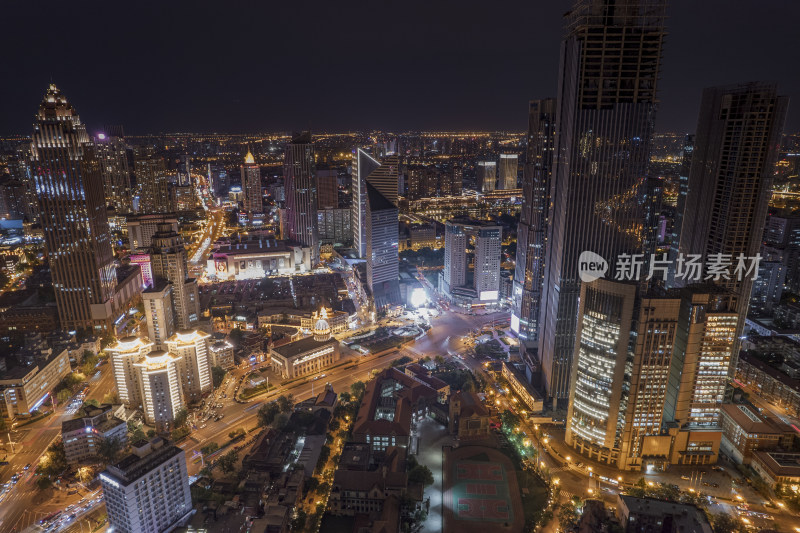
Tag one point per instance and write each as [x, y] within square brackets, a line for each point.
[486, 176]
[730, 182]
[383, 239]
[507, 171]
[112, 154]
[532, 229]
[69, 189]
[123, 355]
[251, 184]
[152, 181]
[158, 376]
[301, 193]
[609, 69]
[191, 346]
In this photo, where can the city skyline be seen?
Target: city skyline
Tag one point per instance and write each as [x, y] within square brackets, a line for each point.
[116, 86]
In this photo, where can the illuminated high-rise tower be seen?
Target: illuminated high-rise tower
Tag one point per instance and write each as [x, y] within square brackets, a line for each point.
[69, 189]
[113, 156]
[169, 261]
[532, 229]
[363, 165]
[507, 178]
[251, 184]
[301, 193]
[730, 181]
[610, 62]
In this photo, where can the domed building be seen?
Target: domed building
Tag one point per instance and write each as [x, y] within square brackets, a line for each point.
[322, 330]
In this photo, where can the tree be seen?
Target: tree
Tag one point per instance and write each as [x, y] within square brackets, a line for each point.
[217, 375]
[108, 449]
[285, 403]
[236, 434]
[209, 448]
[92, 403]
[236, 335]
[112, 398]
[568, 516]
[401, 361]
[421, 474]
[180, 417]
[151, 433]
[267, 413]
[725, 523]
[43, 482]
[63, 395]
[3, 279]
[344, 397]
[299, 521]
[357, 390]
[228, 461]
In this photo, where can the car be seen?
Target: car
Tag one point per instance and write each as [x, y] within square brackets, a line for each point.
[687, 478]
[203, 426]
[27, 466]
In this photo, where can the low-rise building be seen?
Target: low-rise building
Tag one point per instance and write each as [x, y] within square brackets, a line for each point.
[643, 515]
[745, 431]
[469, 419]
[220, 353]
[337, 320]
[257, 257]
[777, 467]
[25, 386]
[518, 381]
[304, 357]
[148, 491]
[82, 436]
[769, 383]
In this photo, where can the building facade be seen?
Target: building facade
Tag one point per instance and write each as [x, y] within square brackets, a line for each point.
[123, 356]
[301, 193]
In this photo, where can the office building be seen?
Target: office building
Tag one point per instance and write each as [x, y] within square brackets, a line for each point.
[383, 261]
[191, 347]
[112, 153]
[334, 226]
[507, 175]
[486, 176]
[26, 386]
[745, 431]
[532, 228]
[327, 189]
[384, 178]
[158, 311]
[251, 185]
[730, 182]
[147, 491]
[69, 189]
[13, 198]
[142, 227]
[301, 193]
[219, 179]
[683, 191]
[609, 70]
[152, 180]
[123, 355]
[158, 375]
[453, 281]
[82, 436]
[168, 260]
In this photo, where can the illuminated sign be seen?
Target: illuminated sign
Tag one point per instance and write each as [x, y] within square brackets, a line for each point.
[110, 481]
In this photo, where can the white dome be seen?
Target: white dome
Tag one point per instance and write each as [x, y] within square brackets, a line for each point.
[321, 325]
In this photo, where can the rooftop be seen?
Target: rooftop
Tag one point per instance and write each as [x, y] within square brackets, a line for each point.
[751, 421]
[684, 517]
[302, 346]
[134, 466]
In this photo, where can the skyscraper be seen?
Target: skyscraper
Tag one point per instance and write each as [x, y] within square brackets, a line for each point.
[152, 181]
[113, 156]
[606, 106]
[363, 165]
[158, 310]
[532, 229]
[730, 182]
[509, 164]
[168, 261]
[486, 176]
[251, 184]
[383, 238]
[69, 189]
[327, 189]
[486, 273]
[301, 193]
[123, 355]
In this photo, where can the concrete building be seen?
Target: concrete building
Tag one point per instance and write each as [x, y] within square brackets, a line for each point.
[745, 431]
[82, 436]
[777, 467]
[25, 387]
[301, 194]
[159, 379]
[643, 515]
[152, 180]
[158, 311]
[169, 261]
[220, 353]
[142, 227]
[123, 355]
[486, 176]
[191, 348]
[148, 491]
[514, 374]
[112, 153]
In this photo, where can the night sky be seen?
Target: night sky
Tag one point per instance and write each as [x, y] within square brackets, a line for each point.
[265, 66]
